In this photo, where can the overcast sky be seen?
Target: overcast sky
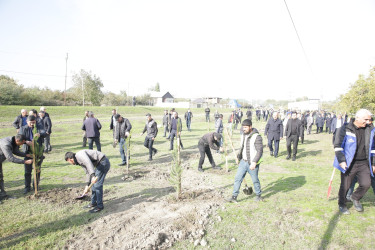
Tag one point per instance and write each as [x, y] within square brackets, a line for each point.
[230, 49]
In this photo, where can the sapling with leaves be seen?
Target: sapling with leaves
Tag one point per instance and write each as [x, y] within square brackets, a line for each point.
[37, 152]
[176, 169]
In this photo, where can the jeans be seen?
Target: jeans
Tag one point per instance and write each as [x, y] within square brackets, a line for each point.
[47, 144]
[173, 134]
[123, 149]
[289, 140]
[244, 167]
[2, 190]
[97, 189]
[91, 141]
[148, 144]
[276, 142]
[188, 122]
[205, 150]
[207, 117]
[165, 130]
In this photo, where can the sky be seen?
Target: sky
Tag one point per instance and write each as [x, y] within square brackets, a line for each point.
[196, 48]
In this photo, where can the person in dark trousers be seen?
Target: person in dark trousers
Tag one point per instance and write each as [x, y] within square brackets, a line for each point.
[28, 133]
[237, 119]
[328, 123]
[84, 138]
[219, 127]
[250, 157]
[240, 114]
[337, 123]
[9, 146]
[207, 111]
[188, 116]
[319, 123]
[170, 115]
[96, 166]
[292, 133]
[175, 129]
[152, 130]
[302, 120]
[47, 124]
[20, 120]
[210, 140]
[92, 127]
[112, 125]
[216, 115]
[122, 132]
[354, 157]
[249, 114]
[165, 122]
[274, 132]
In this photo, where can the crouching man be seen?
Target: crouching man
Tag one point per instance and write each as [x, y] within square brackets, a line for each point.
[250, 156]
[96, 166]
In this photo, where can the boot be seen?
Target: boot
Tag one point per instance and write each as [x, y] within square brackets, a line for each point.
[3, 194]
[200, 169]
[258, 198]
[232, 199]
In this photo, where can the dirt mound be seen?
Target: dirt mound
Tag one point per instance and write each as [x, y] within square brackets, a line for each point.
[60, 196]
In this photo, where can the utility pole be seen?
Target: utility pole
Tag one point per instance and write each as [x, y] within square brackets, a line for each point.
[66, 72]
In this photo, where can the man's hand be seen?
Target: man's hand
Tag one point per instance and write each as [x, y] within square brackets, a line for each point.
[153, 138]
[29, 155]
[37, 134]
[86, 190]
[253, 165]
[29, 143]
[221, 149]
[281, 138]
[94, 179]
[179, 133]
[373, 169]
[127, 134]
[141, 134]
[28, 162]
[343, 165]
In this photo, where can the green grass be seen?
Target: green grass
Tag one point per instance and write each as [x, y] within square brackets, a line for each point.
[294, 215]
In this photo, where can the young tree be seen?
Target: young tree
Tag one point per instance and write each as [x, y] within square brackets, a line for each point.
[88, 86]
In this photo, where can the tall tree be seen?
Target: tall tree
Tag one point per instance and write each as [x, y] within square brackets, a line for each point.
[88, 86]
[10, 91]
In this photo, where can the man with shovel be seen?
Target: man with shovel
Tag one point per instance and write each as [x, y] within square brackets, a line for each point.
[96, 166]
[250, 157]
[122, 132]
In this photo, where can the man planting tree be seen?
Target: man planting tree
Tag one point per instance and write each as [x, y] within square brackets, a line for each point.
[209, 140]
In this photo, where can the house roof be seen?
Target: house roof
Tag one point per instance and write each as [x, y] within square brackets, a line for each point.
[155, 94]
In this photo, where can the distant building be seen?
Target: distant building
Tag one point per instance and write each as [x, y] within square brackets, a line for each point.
[311, 104]
[159, 97]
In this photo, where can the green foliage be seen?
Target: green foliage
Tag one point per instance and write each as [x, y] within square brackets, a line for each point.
[37, 151]
[11, 92]
[360, 95]
[156, 88]
[175, 177]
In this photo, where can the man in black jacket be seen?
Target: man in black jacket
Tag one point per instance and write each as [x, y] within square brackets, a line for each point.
[175, 128]
[20, 120]
[207, 111]
[293, 132]
[210, 140]
[112, 125]
[92, 127]
[152, 130]
[274, 132]
[249, 114]
[8, 147]
[122, 132]
[47, 124]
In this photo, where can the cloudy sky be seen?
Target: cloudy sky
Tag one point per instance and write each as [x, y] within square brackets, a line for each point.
[237, 49]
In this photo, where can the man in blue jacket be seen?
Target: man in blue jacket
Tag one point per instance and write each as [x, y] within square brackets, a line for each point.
[354, 149]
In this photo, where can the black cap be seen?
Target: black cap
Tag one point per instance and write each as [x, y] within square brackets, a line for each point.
[117, 116]
[31, 118]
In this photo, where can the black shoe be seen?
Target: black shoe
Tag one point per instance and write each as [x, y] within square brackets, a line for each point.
[200, 170]
[294, 158]
[288, 157]
[357, 205]
[275, 156]
[258, 198]
[232, 199]
[26, 190]
[90, 206]
[217, 167]
[95, 210]
[271, 153]
[149, 159]
[154, 152]
[122, 164]
[344, 210]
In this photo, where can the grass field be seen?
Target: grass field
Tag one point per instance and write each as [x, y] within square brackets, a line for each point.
[295, 213]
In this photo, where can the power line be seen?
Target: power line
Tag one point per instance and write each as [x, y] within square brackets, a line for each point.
[299, 39]
[26, 73]
[28, 54]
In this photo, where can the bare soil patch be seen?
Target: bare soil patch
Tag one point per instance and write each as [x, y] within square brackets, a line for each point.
[63, 196]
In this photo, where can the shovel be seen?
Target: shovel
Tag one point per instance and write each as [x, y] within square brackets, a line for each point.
[81, 197]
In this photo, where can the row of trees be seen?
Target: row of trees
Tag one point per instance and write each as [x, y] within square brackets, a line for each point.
[87, 89]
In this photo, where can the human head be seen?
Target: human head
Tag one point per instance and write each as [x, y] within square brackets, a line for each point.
[148, 117]
[69, 157]
[91, 114]
[221, 116]
[294, 115]
[33, 112]
[362, 118]
[31, 120]
[175, 114]
[114, 111]
[20, 140]
[42, 114]
[87, 113]
[42, 109]
[118, 118]
[247, 126]
[23, 112]
[274, 115]
[217, 136]
[166, 111]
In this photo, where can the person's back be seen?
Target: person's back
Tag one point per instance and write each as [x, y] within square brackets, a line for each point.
[92, 127]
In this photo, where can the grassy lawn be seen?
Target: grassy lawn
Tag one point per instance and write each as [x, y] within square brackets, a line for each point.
[294, 215]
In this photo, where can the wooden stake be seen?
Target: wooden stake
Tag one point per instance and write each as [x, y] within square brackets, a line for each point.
[34, 164]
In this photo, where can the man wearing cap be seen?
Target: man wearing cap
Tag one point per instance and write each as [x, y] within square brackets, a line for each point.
[96, 166]
[250, 157]
[8, 147]
[209, 140]
[92, 127]
[152, 130]
[122, 132]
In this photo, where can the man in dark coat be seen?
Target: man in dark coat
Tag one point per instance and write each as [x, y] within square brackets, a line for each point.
[165, 122]
[170, 115]
[175, 129]
[92, 127]
[302, 120]
[207, 111]
[151, 128]
[337, 123]
[8, 147]
[274, 132]
[210, 140]
[122, 132]
[47, 124]
[84, 138]
[20, 120]
[188, 116]
[249, 114]
[293, 131]
[319, 123]
[328, 123]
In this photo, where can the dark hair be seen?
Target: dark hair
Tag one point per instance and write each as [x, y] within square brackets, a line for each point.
[31, 118]
[69, 155]
[20, 137]
[221, 115]
[294, 112]
[34, 111]
[117, 116]
[247, 122]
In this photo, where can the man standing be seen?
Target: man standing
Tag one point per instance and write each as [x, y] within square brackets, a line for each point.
[216, 115]
[84, 138]
[210, 140]
[207, 111]
[170, 115]
[240, 115]
[152, 130]
[122, 132]
[219, 127]
[175, 129]
[47, 124]
[96, 166]
[112, 125]
[8, 147]
[250, 155]
[354, 149]
[92, 127]
[188, 116]
[302, 120]
[165, 122]
[328, 123]
[310, 122]
[44, 110]
[274, 132]
[337, 123]
[319, 124]
[249, 114]
[292, 133]
[20, 120]
[28, 133]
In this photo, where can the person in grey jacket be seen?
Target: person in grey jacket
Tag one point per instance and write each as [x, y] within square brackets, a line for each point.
[165, 122]
[250, 155]
[9, 146]
[122, 132]
[96, 166]
[20, 120]
[92, 127]
[152, 130]
[47, 124]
